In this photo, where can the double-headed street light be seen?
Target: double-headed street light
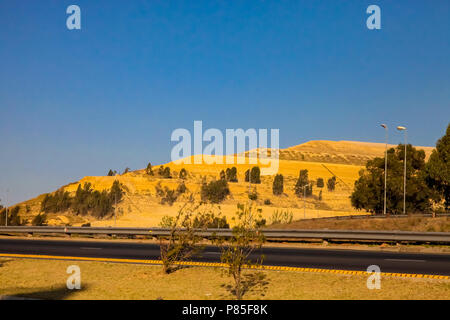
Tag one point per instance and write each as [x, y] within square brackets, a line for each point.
[401, 128]
[385, 167]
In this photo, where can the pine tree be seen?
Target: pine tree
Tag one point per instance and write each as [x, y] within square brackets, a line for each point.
[255, 175]
[149, 169]
[278, 185]
[331, 183]
[320, 183]
[303, 186]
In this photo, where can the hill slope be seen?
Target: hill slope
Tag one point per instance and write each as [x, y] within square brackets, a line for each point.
[141, 206]
[345, 152]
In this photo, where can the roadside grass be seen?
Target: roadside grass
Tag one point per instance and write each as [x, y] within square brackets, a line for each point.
[423, 224]
[46, 279]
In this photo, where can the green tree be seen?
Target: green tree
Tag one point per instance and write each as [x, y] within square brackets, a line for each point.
[247, 175]
[278, 185]
[222, 175]
[320, 183]
[183, 242]
[166, 173]
[255, 175]
[110, 173]
[303, 186]
[253, 195]
[331, 183]
[182, 174]
[231, 174]
[149, 169]
[237, 251]
[116, 191]
[215, 191]
[13, 217]
[437, 169]
[368, 193]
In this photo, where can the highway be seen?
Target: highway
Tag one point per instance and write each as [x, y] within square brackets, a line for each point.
[338, 259]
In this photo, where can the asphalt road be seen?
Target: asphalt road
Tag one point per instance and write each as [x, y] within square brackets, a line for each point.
[419, 263]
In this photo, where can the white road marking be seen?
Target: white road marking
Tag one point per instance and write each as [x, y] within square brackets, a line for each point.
[405, 260]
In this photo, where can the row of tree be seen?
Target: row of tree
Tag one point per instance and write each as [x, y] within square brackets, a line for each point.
[85, 201]
[427, 183]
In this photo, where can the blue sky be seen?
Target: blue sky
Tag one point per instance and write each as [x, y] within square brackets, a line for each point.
[79, 102]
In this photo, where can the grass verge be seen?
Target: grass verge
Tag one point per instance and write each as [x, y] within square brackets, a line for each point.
[46, 279]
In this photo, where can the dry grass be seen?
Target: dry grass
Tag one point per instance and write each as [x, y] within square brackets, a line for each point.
[440, 224]
[347, 152]
[47, 279]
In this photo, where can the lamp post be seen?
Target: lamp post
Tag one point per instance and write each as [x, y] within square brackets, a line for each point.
[401, 128]
[385, 167]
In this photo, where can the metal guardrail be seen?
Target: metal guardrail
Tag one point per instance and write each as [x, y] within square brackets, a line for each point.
[377, 216]
[270, 234]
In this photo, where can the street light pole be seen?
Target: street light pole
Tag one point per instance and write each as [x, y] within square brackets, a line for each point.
[400, 128]
[385, 168]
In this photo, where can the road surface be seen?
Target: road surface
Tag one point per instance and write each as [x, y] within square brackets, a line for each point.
[339, 259]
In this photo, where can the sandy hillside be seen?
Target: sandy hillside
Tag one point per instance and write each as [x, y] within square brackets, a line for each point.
[346, 152]
[141, 207]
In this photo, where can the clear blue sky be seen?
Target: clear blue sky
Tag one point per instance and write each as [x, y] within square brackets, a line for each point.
[77, 103]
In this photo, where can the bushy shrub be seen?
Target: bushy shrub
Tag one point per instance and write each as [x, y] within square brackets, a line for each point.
[39, 219]
[231, 174]
[182, 174]
[215, 191]
[167, 195]
[211, 220]
[253, 195]
[181, 188]
[281, 216]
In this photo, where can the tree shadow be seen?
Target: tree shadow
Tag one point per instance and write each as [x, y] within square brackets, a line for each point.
[4, 261]
[254, 282]
[57, 293]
